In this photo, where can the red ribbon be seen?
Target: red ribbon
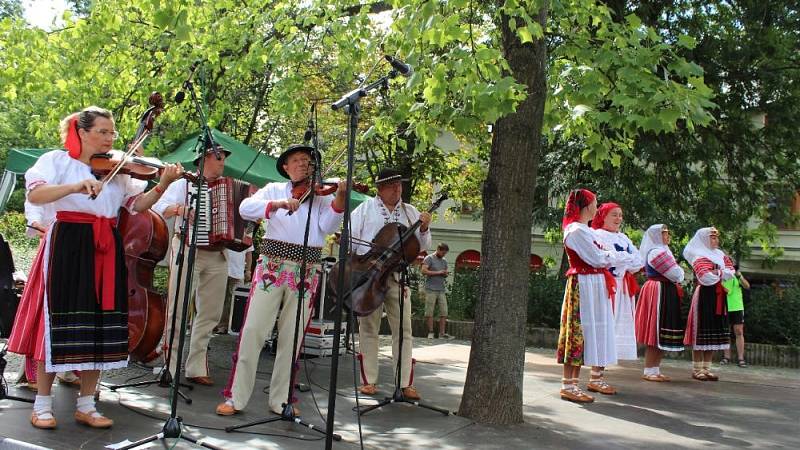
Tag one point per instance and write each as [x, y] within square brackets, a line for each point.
[73, 141]
[630, 284]
[722, 299]
[104, 253]
[611, 282]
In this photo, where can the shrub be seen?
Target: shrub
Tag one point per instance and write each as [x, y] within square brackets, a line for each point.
[772, 315]
[463, 294]
[545, 295]
[23, 248]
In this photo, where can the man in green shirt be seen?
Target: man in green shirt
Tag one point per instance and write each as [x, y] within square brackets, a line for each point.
[736, 314]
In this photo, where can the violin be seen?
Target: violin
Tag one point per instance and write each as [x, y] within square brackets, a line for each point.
[302, 189]
[105, 167]
[139, 167]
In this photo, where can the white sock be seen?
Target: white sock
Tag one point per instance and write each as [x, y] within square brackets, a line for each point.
[43, 406]
[86, 405]
[648, 371]
[657, 370]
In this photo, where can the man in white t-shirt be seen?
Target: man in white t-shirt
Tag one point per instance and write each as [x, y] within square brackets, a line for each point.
[239, 264]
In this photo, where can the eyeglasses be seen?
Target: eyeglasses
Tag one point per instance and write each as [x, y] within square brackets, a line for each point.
[105, 133]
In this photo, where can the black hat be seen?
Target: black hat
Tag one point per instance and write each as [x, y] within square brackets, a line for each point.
[388, 175]
[210, 149]
[289, 150]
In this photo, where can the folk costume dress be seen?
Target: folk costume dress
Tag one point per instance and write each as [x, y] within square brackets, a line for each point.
[587, 332]
[85, 296]
[275, 284]
[627, 287]
[658, 312]
[29, 322]
[707, 325]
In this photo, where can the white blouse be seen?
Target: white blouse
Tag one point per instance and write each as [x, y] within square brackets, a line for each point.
[281, 226]
[621, 243]
[57, 167]
[582, 240]
[372, 215]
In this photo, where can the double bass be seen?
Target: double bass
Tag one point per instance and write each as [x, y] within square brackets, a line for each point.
[145, 240]
[394, 246]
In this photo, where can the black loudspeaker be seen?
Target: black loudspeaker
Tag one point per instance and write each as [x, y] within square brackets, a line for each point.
[238, 305]
[9, 298]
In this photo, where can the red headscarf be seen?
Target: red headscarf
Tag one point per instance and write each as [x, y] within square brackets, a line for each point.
[600, 216]
[73, 141]
[578, 199]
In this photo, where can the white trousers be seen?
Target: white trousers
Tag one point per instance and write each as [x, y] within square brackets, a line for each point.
[369, 326]
[260, 316]
[209, 280]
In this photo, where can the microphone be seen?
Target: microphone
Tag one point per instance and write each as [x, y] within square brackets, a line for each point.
[401, 67]
[309, 131]
[180, 96]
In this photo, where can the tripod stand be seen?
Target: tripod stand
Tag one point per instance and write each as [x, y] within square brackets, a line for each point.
[173, 426]
[3, 387]
[398, 396]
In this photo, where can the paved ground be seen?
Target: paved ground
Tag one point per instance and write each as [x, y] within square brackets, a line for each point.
[753, 407]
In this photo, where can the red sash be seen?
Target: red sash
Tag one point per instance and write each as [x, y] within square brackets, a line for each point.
[104, 253]
[630, 284]
[722, 299]
[577, 266]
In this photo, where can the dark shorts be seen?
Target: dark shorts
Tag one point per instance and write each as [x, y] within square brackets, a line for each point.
[736, 317]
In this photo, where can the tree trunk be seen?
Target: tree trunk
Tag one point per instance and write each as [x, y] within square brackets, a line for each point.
[493, 389]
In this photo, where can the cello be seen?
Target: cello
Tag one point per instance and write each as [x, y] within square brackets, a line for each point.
[394, 246]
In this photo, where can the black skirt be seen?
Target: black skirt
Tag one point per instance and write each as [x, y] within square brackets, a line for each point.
[670, 325]
[82, 335]
[712, 328]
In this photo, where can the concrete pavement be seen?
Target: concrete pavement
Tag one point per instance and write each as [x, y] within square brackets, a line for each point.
[752, 407]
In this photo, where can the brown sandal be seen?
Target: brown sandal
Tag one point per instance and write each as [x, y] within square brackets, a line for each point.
[700, 376]
[43, 424]
[656, 378]
[576, 395]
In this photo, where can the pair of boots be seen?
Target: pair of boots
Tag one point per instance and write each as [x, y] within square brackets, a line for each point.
[85, 413]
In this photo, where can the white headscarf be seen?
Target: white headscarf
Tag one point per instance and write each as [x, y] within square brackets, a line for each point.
[700, 247]
[652, 239]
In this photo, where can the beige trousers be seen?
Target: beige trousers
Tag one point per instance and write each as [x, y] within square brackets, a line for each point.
[208, 281]
[260, 316]
[370, 325]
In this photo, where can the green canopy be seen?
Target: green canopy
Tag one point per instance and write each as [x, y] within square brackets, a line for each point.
[261, 172]
[21, 159]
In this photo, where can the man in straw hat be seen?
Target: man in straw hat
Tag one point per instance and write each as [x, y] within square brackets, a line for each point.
[277, 276]
[367, 220]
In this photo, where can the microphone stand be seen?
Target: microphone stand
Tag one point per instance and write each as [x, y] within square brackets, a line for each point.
[287, 414]
[350, 104]
[397, 396]
[173, 426]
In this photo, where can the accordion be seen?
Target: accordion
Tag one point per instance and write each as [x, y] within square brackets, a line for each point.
[227, 228]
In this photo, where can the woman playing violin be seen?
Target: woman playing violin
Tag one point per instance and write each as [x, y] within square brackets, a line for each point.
[85, 300]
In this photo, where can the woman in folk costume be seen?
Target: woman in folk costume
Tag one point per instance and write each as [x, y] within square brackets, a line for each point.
[606, 223]
[658, 313]
[84, 300]
[707, 324]
[586, 335]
